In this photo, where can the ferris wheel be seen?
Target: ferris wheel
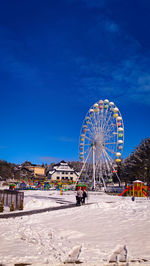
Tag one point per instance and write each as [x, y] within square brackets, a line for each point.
[101, 142]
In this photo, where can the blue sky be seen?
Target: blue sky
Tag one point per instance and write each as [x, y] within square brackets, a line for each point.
[57, 59]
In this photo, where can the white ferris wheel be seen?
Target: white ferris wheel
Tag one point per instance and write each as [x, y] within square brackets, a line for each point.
[101, 142]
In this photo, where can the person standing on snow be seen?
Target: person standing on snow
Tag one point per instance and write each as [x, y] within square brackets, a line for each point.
[79, 196]
[84, 196]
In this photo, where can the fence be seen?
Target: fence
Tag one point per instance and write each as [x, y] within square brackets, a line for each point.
[114, 189]
[9, 196]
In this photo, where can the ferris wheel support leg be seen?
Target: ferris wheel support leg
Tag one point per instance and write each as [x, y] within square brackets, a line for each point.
[118, 178]
[103, 182]
[83, 167]
[93, 167]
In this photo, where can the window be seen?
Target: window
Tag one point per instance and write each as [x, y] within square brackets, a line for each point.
[71, 173]
[66, 177]
[62, 173]
[58, 177]
[62, 177]
[67, 173]
[71, 178]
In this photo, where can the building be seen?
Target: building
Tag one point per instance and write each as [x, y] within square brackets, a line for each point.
[62, 172]
[39, 171]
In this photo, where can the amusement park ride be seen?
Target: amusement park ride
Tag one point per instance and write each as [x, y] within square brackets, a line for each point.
[101, 143]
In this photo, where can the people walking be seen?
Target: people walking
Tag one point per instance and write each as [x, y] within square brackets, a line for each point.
[79, 196]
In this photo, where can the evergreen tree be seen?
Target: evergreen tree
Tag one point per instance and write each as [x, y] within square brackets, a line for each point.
[137, 165]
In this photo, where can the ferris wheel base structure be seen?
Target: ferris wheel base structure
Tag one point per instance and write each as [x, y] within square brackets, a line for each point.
[101, 143]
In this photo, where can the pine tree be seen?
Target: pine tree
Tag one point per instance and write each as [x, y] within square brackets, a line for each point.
[137, 165]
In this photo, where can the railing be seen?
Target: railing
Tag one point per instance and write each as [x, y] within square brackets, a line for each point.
[10, 196]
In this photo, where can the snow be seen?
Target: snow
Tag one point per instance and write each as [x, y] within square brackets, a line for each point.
[138, 181]
[96, 230]
[38, 200]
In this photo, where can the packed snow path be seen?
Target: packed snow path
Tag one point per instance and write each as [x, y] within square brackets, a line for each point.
[24, 213]
[66, 204]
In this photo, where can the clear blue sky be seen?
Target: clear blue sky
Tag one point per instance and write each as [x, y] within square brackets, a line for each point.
[58, 57]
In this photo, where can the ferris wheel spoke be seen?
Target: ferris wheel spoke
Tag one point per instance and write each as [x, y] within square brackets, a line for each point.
[109, 118]
[110, 138]
[106, 160]
[95, 123]
[110, 159]
[90, 134]
[87, 148]
[105, 119]
[88, 138]
[110, 150]
[106, 143]
[111, 127]
[90, 130]
[86, 153]
[109, 133]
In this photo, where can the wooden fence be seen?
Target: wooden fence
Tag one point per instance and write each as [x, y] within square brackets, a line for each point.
[11, 196]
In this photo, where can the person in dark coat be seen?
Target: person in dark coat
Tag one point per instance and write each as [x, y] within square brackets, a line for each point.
[84, 196]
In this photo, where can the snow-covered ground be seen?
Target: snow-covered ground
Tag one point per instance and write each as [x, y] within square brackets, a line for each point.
[96, 230]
